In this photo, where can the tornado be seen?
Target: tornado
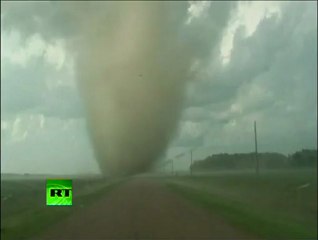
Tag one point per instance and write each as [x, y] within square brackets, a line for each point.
[132, 62]
[132, 65]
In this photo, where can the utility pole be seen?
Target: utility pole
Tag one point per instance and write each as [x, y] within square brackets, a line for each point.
[172, 166]
[256, 157]
[191, 163]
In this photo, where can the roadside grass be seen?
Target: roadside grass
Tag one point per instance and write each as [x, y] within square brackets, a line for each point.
[34, 220]
[267, 206]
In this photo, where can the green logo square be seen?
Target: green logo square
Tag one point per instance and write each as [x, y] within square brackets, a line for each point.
[59, 192]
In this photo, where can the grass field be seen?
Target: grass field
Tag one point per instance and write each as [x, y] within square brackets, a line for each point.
[23, 205]
[274, 205]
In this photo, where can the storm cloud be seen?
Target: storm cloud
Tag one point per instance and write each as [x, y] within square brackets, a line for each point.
[151, 80]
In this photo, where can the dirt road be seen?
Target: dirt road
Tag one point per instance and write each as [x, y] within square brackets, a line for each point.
[143, 209]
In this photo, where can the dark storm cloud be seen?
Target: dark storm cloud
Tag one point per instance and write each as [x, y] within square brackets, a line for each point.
[271, 77]
[132, 98]
[25, 89]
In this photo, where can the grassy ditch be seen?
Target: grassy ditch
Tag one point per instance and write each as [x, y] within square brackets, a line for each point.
[34, 219]
[254, 217]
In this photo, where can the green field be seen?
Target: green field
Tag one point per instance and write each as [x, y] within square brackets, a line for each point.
[24, 213]
[274, 205]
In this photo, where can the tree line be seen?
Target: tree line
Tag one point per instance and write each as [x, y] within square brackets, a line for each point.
[269, 160]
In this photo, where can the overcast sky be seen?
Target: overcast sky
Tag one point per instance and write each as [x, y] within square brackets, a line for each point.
[259, 63]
